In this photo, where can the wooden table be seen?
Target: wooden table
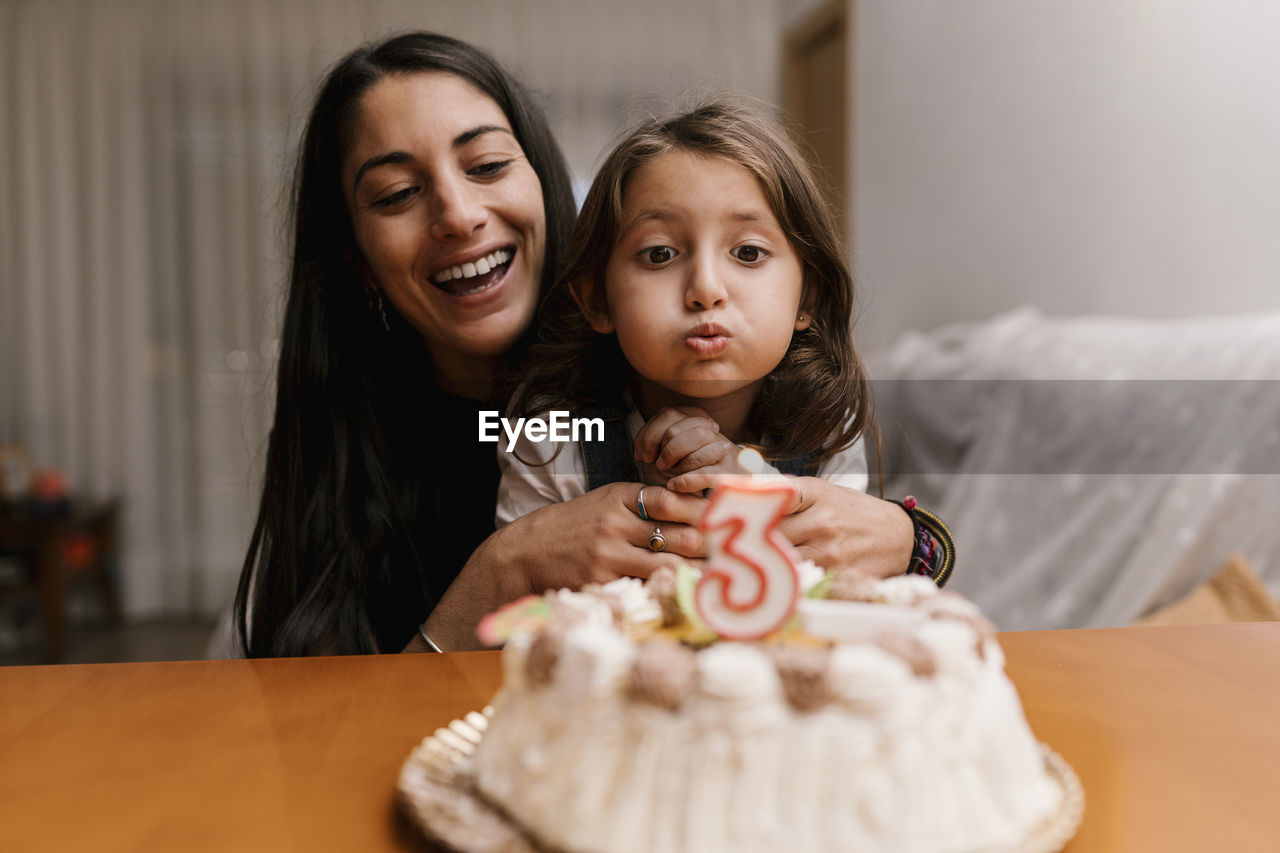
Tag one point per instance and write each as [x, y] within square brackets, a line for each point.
[1173, 732]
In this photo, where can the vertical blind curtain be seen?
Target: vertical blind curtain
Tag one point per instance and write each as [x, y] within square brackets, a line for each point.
[144, 159]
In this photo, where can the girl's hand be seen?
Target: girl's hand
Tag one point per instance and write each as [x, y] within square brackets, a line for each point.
[680, 440]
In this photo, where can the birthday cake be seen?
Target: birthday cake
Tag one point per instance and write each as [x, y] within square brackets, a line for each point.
[609, 734]
[759, 705]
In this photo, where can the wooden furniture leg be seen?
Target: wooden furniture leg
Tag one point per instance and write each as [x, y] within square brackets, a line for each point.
[53, 602]
[106, 533]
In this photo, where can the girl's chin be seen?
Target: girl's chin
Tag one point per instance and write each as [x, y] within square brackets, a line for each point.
[699, 388]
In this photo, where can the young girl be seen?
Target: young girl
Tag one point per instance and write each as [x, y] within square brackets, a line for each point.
[705, 304]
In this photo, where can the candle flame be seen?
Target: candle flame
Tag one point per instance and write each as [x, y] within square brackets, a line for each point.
[751, 461]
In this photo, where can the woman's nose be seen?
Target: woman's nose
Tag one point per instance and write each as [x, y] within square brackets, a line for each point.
[705, 287]
[458, 210]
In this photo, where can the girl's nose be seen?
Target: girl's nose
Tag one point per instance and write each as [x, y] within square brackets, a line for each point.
[705, 286]
[458, 210]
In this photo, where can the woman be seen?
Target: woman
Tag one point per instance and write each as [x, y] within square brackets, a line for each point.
[430, 204]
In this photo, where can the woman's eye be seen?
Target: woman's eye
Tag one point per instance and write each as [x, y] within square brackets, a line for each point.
[750, 254]
[396, 197]
[657, 255]
[490, 169]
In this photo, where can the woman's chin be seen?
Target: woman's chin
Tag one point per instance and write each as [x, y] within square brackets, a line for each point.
[488, 338]
[483, 329]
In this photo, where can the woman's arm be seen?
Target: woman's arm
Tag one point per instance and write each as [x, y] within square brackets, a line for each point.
[599, 537]
[591, 539]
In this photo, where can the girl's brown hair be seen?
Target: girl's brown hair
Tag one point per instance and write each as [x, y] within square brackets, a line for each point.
[817, 401]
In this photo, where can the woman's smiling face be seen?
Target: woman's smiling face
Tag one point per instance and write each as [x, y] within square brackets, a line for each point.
[448, 216]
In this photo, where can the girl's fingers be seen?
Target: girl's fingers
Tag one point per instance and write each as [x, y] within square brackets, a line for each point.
[694, 482]
[648, 443]
[693, 448]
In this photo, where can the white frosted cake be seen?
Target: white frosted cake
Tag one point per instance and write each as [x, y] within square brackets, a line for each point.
[902, 734]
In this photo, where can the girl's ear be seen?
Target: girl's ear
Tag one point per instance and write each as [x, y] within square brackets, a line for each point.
[591, 301]
[804, 314]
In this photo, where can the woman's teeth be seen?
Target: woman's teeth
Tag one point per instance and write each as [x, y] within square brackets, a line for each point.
[481, 266]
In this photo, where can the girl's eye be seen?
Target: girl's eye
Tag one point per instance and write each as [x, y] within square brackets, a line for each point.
[657, 255]
[396, 197]
[750, 254]
[490, 169]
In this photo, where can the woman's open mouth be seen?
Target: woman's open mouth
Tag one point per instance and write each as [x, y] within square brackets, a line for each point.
[474, 276]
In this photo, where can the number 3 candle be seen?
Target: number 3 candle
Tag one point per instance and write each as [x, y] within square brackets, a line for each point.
[750, 586]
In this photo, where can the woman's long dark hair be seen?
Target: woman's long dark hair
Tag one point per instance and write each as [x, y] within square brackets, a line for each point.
[333, 564]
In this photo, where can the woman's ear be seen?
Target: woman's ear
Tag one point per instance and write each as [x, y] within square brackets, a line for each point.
[355, 261]
[591, 301]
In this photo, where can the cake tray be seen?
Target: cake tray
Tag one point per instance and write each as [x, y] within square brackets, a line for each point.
[436, 793]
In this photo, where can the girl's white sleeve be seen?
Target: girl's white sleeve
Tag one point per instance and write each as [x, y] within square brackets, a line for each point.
[556, 474]
[847, 468]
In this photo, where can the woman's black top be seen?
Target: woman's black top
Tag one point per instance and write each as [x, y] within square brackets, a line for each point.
[460, 490]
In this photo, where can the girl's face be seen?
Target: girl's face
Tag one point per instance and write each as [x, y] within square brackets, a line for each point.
[702, 286]
[448, 217]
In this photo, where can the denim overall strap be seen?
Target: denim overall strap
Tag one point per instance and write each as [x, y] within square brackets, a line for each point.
[801, 467]
[612, 460]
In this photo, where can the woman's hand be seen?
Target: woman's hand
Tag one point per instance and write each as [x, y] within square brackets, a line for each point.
[841, 528]
[600, 536]
[591, 539]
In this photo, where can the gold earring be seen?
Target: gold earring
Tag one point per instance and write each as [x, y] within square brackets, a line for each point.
[372, 293]
[382, 312]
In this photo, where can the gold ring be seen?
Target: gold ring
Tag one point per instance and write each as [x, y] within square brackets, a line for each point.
[657, 541]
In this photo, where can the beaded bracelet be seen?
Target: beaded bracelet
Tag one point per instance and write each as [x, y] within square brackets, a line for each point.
[934, 554]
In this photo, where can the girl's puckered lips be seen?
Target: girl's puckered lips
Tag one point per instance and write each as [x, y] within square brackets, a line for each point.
[707, 339]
